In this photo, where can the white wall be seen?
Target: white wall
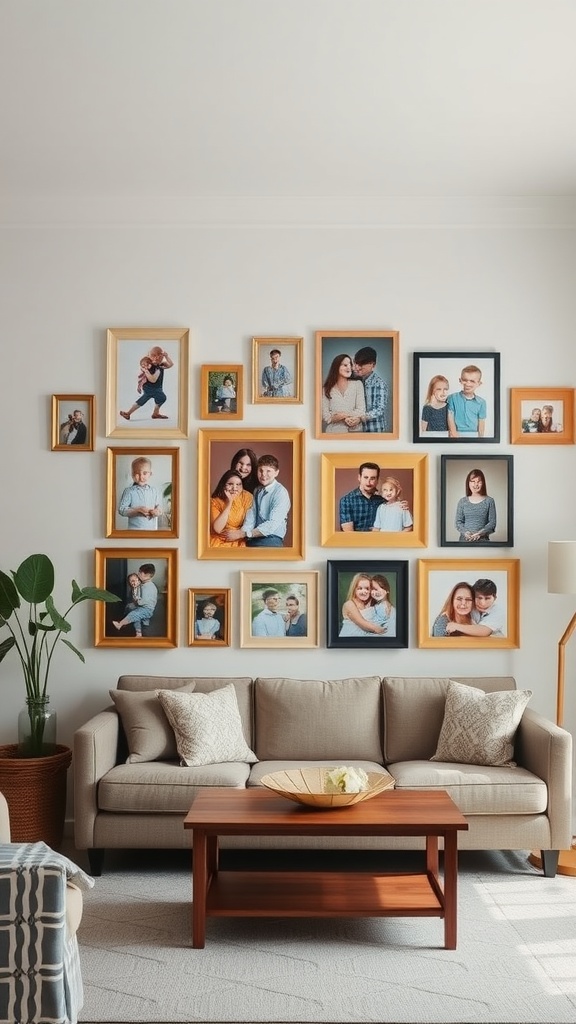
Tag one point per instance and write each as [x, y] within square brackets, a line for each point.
[498, 280]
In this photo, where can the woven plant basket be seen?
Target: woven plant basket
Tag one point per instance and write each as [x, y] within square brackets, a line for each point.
[35, 788]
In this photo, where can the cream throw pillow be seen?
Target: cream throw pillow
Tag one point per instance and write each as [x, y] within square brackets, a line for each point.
[149, 735]
[478, 727]
[207, 726]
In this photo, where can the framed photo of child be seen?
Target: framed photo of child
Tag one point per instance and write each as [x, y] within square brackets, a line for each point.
[279, 609]
[209, 617]
[277, 371]
[465, 603]
[222, 392]
[146, 581]
[73, 418]
[542, 416]
[143, 498]
[367, 604]
[456, 397]
[476, 501]
[357, 395]
[147, 382]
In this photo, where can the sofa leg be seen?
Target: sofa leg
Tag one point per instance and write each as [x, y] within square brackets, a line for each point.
[96, 861]
[549, 862]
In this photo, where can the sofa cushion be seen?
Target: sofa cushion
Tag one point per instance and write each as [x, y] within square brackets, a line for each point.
[158, 787]
[207, 726]
[329, 720]
[476, 789]
[148, 732]
[478, 727]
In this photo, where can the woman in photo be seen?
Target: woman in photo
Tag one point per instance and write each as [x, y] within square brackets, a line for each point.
[245, 463]
[229, 504]
[358, 613]
[476, 511]
[342, 398]
[456, 608]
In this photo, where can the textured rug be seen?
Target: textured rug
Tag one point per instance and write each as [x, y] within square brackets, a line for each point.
[515, 961]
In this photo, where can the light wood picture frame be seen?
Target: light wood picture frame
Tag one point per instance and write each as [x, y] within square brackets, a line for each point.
[147, 382]
[145, 479]
[73, 423]
[222, 392]
[277, 371]
[356, 391]
[155, 594]
[542, 416]
[466, 386]
[490, 477]
[209, 616]
[279, 609]
[342, 473]
[460, 598]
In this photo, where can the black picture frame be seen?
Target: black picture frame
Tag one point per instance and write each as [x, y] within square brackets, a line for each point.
[498, 472]
[340, 577]
[448, 366]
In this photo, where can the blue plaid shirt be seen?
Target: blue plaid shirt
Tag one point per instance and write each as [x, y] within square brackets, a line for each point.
[375, 420]
[356, 508]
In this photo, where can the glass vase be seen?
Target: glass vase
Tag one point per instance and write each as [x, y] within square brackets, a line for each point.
[36, 729]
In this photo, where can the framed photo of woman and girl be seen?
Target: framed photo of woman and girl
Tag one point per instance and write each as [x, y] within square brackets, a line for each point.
[367, 604]
[466, 603]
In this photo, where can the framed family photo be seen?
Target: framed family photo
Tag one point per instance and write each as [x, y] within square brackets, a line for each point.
[147, 382]
[279, 609]
[476, 501]
[142, 492]
[367, 604]
[357, 395]
[456, 397]
[222, 392]
[73, 418]
[209, 623]
[277, 371]
[469, 602]
[380, 501]
[250, 494]
[542, 416]
[146, 581]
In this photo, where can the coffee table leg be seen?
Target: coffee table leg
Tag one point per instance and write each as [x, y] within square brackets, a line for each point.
[450, 889]
[432, 855]
[199, 888]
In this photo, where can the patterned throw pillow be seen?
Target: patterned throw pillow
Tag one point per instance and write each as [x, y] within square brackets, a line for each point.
[207, 726]
[149, 735]
[478, 727]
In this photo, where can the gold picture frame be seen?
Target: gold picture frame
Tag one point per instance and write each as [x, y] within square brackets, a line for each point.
[438, 579]
[199, 600]
[297, 595]
[340, 475]
[217, 456]
[378, 377]
[163, 488]
[129, 390]
[277, 371]
[559, 423]
[219, 400]
[73, 421]
[113, 566]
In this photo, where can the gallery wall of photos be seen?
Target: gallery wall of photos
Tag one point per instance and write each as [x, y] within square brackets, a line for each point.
[370, 501]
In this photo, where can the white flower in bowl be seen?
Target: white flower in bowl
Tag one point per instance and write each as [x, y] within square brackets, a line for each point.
[345, 780]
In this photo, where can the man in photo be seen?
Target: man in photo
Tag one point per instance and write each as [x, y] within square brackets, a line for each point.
[295, 620]
[357, 508]
[269, 622]
[74, 430]
[276, 378]
[376, 393]
[488, 618]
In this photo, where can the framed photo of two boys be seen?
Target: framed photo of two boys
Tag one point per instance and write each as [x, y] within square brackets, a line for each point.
[456, 397]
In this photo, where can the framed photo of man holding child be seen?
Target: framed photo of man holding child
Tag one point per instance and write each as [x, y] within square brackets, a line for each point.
[142, 493]
[209, 623]
[377, 501]
[476, 501]
[147, 382]
[456, 397]
[357, 395]
[465, 603]
[367, 604]
[73, 418]
[146, 581]
[279, 609]
[250, 494]
[542, 416]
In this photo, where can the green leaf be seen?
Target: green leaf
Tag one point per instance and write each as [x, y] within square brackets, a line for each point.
[6, 646]
[59, 621]
[76, 593]
[75, 649]
[34, 578]
[95, 594]
[9, 599]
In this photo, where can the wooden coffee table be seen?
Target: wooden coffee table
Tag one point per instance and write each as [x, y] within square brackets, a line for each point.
[258, 812]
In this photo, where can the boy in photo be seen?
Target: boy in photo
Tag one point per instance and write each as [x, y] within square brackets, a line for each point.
[466, 411]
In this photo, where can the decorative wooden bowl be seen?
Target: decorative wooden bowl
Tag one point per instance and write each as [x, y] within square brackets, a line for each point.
[306, 786]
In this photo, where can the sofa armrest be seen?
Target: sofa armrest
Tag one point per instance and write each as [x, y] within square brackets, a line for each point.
[95, 751]
[546, 750]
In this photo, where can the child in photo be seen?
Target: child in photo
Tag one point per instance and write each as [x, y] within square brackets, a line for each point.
[225, 392]
[140, 610]
[466, 411]
[435, 409]
[392, 515]
[207, 626]
[384, 610]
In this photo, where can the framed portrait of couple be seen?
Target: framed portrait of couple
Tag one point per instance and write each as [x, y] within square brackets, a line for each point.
[467, 602]
[367, 604]
[357, 374]
[542, 416]
[456, 397]
[279, 609]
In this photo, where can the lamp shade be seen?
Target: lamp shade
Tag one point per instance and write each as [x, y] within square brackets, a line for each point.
[562, 567]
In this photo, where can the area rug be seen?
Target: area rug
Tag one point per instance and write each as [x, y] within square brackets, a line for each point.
[515, 961]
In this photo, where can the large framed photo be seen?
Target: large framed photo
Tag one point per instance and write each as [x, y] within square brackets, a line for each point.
[279, 609]
[367, 604]
[250, 494]
[147, 382]
[456, 397]
[469, 602]
[142, 499]
[73, 418]
[209, 623]
[357, 395]
[381, 501]
[542, 416]
[277, 371]
[146, 581]
[476, 501]
[222, 392]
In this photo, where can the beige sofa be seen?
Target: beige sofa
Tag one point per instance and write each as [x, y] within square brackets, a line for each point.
[368, 722]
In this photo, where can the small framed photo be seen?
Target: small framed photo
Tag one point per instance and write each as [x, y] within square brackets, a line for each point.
[381, 501]
[456, 397]
[142, 492]
[477, 501]
[279, 609]
[250, 494]
[209, 617]
[222, 392]
[277, 371]
[146, 581]
[357, 396]
[73, 418]
[469, 602]
[147, 382]
[542, 416]
[367, 604]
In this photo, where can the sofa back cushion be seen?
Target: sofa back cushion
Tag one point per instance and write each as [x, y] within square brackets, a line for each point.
[318, 719]
[414, 711]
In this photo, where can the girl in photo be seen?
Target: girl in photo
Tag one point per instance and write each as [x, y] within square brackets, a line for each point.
[358, 615]
[392, 515]
[476, 511]
[229, 504]
[384, 610]
[435, 409]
